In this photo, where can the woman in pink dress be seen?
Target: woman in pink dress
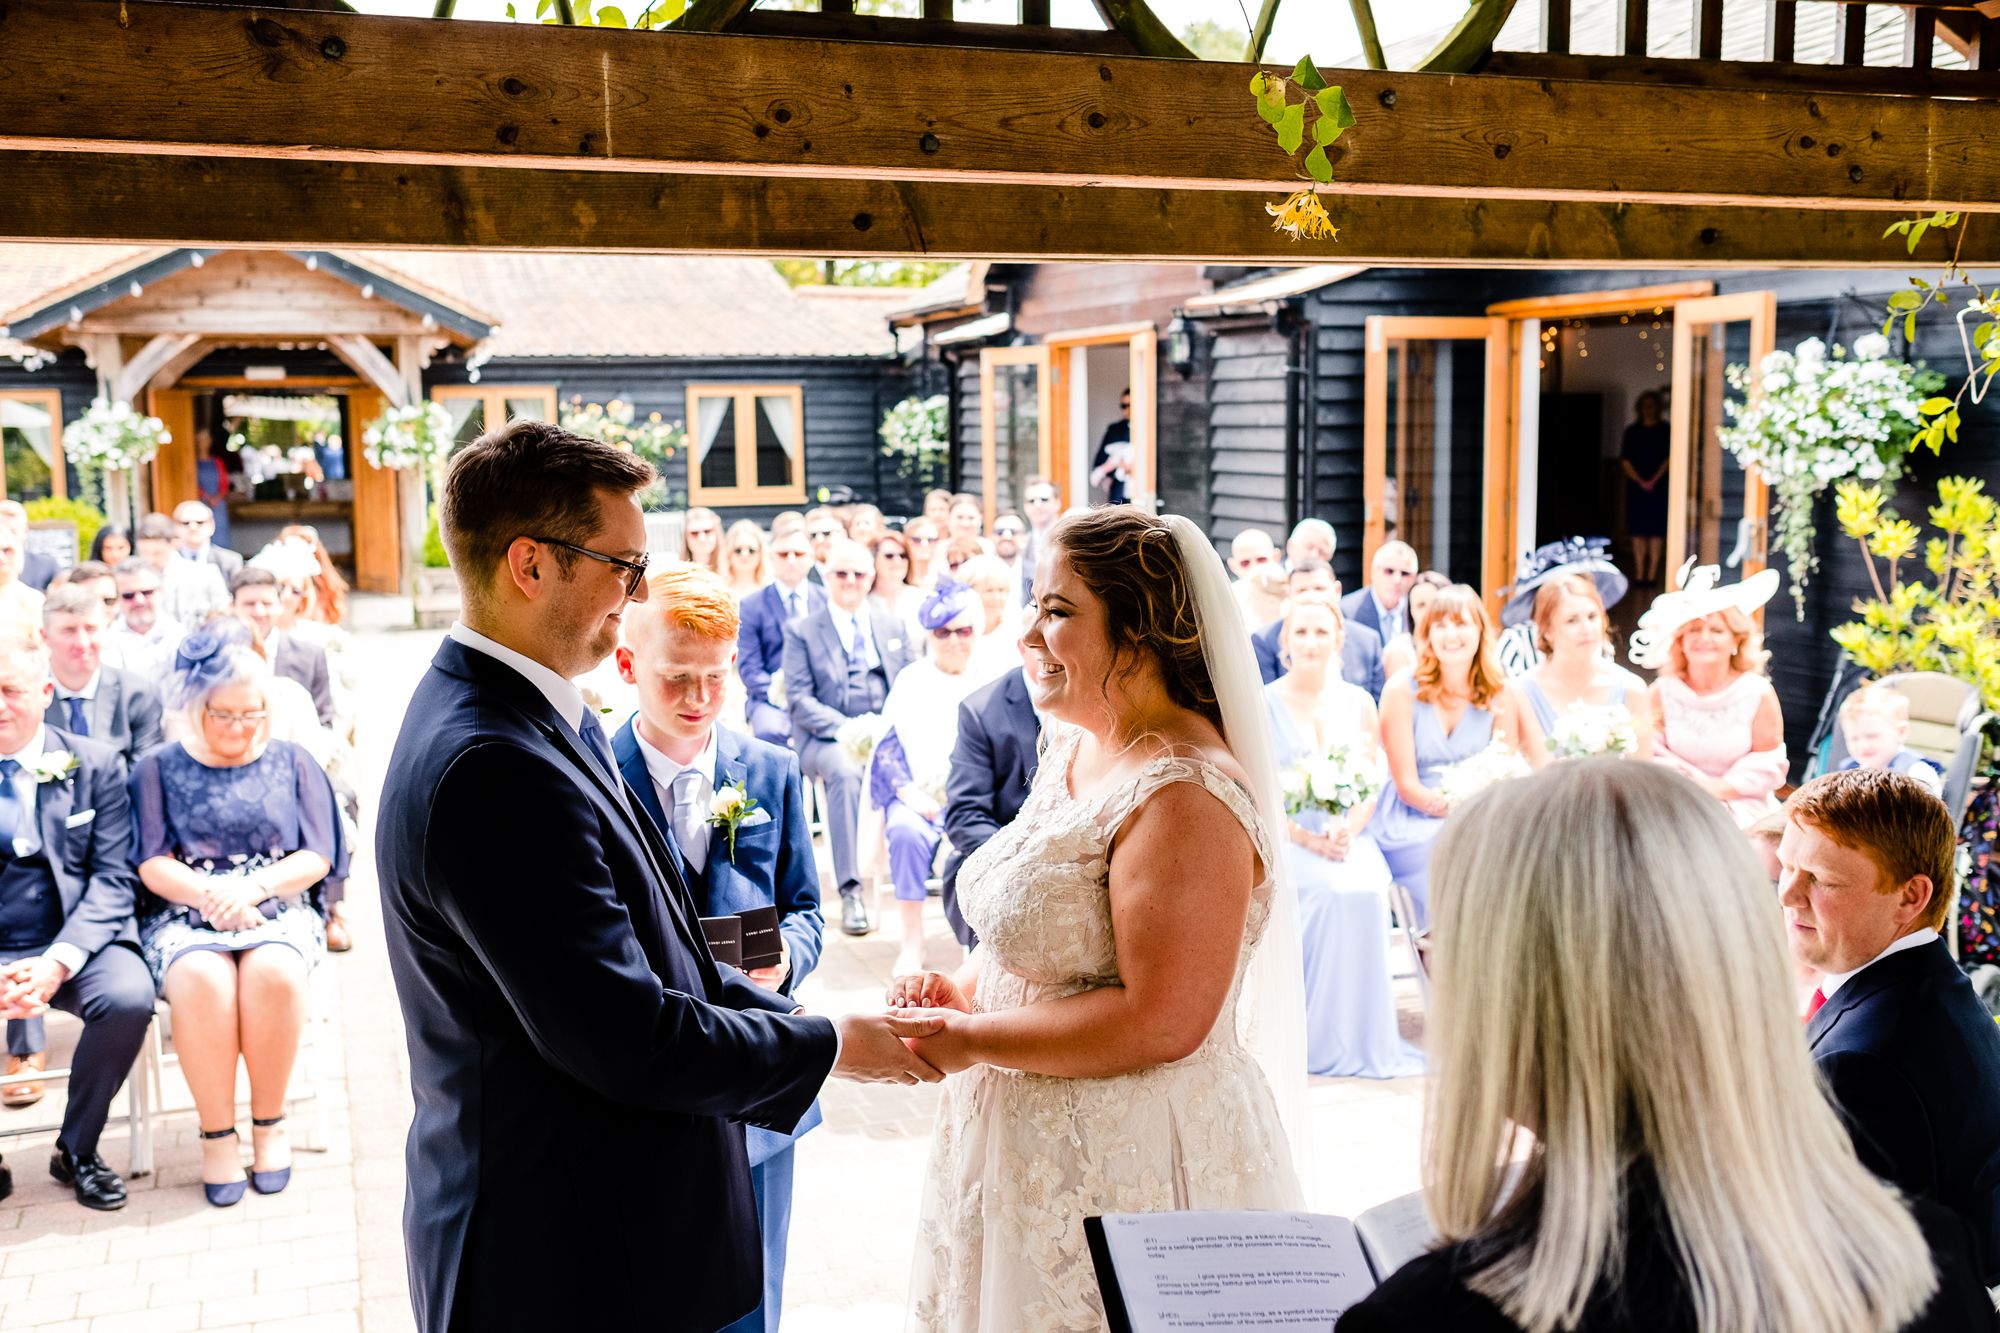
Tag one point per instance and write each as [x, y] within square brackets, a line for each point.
[1717, 716]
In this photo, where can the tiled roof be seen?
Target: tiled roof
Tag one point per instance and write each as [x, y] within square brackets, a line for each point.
[562, 305]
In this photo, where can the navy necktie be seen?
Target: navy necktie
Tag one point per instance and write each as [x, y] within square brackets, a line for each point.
[79, 724]
[10, 807]
[593, 739]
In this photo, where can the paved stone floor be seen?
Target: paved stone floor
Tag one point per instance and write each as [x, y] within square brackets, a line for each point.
[326, 1255]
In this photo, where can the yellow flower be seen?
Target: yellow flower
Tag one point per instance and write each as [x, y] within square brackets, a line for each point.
[1303, 217]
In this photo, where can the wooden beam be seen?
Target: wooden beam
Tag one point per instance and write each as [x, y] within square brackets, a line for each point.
[107, 358]
[170, 374]
[349, 205]
[379, 370]
[137, 374]
[945, 31]
[191, 79]
[1752, 75]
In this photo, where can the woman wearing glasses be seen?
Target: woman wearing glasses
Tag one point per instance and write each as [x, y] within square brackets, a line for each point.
[907, 774]
[236, 836]
[701, 539]
[891, 593]
[746, 564]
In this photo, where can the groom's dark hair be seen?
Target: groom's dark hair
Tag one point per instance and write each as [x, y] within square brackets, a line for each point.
[527, 479]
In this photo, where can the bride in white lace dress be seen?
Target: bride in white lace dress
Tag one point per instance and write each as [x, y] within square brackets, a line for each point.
[1118, 915]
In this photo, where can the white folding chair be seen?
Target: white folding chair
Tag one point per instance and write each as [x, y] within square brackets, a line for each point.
[138, 1103]
[1405, 908]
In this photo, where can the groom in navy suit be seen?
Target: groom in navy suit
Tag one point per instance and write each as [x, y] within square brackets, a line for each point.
[678, 650]
[582, 1066]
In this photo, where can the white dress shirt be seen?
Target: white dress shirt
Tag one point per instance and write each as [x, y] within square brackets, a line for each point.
[690, 817]
[844, 624]
[1916, 939]
[563, 696]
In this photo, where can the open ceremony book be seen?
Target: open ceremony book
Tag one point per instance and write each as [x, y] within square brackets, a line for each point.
[1167, 1272]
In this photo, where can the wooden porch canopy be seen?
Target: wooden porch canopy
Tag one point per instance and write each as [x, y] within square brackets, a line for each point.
[159, 120]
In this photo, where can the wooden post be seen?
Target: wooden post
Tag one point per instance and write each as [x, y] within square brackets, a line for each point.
[1555, 26]
[1781, 29]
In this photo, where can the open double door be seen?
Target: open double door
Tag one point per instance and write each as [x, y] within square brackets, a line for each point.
[1043, 410]
[1452, 418]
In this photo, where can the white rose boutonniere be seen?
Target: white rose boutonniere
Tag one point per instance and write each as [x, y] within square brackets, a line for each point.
[727, 810]
[55, 766]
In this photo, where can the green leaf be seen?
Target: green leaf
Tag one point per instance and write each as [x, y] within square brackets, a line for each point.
[510, 13]
[1317, 165]
[1333, 107]
[1904, 300]
[1292, 127]
[1271, 112]
[542, 8]
[1917, 234]
[610, 16]
[1910, 327]
[1306, 75]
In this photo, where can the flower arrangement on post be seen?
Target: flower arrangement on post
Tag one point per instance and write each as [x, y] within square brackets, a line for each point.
[416, 435]
[655, 439]
[1949, 624]
[1814, 418]
[915, 435]
[110, 437]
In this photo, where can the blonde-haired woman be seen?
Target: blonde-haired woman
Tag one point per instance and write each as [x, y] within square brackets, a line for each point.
[1681, 1168]
[1574, 673]
[745, 559]
[1451, 706]
[701, 539]
[1717, 718]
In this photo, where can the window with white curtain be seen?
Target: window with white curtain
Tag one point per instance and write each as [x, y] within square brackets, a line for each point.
[749, 444]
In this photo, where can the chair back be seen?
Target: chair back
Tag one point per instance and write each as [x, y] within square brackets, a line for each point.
[1940, 707]
[1405, 908]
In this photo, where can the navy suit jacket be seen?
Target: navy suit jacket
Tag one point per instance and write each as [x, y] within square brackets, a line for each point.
[573, 1045]
[1913, 1061]
[992, 767]
[760, 641]
[816, 669]
[773, 865]
[1359, 608]
[1360, 656]
[85, 822]
[38, 571]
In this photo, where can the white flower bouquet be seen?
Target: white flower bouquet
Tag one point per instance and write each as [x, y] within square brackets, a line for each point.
[1460, 782]
[858, 737]
[416, 435]
[111, 437]
[1338, 782]
[1585, 731]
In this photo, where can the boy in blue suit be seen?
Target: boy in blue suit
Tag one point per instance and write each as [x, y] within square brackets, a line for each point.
[679, 648]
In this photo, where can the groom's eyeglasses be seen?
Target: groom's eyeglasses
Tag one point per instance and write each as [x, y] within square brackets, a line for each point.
[635, 570]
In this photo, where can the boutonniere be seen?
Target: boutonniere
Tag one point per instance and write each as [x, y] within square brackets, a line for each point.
[727, 810]
[55, 766]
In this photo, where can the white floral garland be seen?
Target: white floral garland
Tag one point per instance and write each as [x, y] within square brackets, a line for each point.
[111, 437]
[416, 435]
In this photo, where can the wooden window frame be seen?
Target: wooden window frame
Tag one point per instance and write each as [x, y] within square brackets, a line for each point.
[493, 398]
[745, 396]
[51, 401]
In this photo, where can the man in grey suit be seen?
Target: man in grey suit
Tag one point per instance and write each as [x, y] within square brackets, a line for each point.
[109, 704]
[1382, 605]
[253, 595]
[839, 663]
[197, 539]
[1360, 647]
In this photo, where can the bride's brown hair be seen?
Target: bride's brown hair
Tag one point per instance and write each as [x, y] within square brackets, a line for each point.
[1132, 564]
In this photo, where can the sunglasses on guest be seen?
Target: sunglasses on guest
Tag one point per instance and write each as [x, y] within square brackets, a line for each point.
[953, 632]
[742, 550]
[1007, 530]
[847, 575]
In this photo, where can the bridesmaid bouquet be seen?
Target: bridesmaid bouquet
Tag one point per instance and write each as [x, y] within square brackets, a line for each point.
[1585, 731]
[1460, 782]
[1345, 778]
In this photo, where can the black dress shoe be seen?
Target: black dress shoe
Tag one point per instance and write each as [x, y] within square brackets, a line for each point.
[854, 913]
[6, 1181]
[97, 1185]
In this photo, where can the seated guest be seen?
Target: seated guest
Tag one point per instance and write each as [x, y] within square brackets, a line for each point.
[701, 539]
[1338, 871]
[112, 545]
[196, 522]
[760, 647]
[937, 507]
[1382, 605]
[143, 635]
[1010, 547]
[912, 763]
[999, 619]
[967, 518]
[1360, 647]
[190, 589]
[892, 593]
[102, 702]
[839, 664]
[1574, 674]
[823, 528]
[1259, 586]
[957, 550]
[326, 596]
[235, 833]
[20, 601]
[1874, 723]
[864, 523]
[1679, 1170]
[1311, 539]
[680, 646]
[1909, 1054]
[1572, 557]
[1400, 653]
[926, 552]
[1451, 706]
[66, 903]
[992, 767]
[1715, 716]
[254, 601]
[38, 571]
[748, 566]
[299, 617]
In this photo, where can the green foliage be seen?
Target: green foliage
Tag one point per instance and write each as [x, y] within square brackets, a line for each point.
[915, 435]
[1324, 111]
[1981, 343]
[859, 272]
[433, 555]
[87, 517]
[655, 439]
[1213, 41]
[1949, 622]
[581, 13]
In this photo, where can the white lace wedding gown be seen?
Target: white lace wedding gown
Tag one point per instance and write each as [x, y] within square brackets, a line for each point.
[1019, 1160]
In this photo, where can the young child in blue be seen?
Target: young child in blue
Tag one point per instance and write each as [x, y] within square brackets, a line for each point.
[1875, 723]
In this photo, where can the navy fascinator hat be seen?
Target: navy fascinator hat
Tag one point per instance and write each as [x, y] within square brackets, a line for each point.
[205, 660]
[949, 600]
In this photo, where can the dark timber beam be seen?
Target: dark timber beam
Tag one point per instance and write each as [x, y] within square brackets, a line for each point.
[199, 80]
[138, 199]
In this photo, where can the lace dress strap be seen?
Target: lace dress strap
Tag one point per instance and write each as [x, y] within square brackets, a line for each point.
[1172, 767]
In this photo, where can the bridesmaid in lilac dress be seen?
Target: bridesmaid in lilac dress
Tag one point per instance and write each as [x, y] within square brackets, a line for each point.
[1453, 704]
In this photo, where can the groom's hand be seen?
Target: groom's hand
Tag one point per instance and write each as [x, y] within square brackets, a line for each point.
[872, 1049]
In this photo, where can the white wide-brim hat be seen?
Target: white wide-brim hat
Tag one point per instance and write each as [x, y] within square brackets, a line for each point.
[1699, 595]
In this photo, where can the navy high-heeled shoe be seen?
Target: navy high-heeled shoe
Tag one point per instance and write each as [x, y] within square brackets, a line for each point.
[270, 1182]
[229, 1192]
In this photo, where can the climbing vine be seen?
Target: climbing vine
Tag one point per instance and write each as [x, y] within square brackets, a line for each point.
[1978, 324]
[1323, 115]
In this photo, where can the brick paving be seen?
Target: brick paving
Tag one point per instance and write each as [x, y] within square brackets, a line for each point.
[326, 1255]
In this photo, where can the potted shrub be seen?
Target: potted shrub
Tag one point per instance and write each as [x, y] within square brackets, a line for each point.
[437, 602]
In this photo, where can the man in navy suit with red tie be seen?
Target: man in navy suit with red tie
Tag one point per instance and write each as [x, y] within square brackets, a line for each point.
[678, 650]
[1910, 1055]
[573, 1044]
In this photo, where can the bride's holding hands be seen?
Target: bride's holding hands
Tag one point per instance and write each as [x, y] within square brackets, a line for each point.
[1096, 1023]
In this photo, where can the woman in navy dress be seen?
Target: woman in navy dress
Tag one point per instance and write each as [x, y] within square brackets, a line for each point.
[1452, 705]
[1642, 457]
[234, 836]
